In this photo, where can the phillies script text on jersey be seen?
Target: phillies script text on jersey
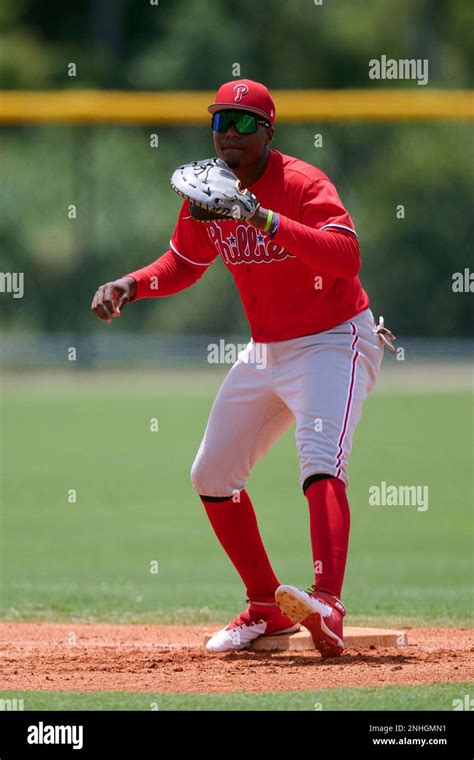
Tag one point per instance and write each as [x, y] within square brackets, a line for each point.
[304, 279]
[245, 244]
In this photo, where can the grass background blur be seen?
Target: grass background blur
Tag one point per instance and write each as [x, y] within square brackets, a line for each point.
[126, 210]
[91, 560]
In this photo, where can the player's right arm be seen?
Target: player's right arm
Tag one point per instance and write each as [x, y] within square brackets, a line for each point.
[169, 274]
[163, 277]
[111, 297]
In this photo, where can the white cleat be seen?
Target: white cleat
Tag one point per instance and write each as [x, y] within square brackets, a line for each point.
[240, 637]
[247, 627]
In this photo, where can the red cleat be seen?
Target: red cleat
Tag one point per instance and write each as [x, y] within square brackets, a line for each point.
[320, 612]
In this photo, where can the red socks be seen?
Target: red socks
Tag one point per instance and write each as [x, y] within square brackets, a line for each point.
[329, 519]
[235, 525]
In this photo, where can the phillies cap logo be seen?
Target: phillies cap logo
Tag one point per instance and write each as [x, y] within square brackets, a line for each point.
[240, 90]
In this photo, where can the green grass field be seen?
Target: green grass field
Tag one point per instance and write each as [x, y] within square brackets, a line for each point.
[90, 560]
[432, 697]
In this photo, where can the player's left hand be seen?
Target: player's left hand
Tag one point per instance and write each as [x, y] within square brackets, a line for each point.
[211, 185]
[203, 214]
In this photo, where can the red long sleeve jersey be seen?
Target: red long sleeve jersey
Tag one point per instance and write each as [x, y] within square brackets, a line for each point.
[302, 281]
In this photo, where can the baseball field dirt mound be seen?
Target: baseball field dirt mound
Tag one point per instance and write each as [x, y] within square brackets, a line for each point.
[171, 658]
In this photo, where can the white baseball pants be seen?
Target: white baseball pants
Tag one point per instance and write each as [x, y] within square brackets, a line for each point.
[319, 381]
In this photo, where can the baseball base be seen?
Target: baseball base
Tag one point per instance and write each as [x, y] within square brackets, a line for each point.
[359, 638]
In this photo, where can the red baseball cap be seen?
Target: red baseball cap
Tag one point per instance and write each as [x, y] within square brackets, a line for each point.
[244, 95]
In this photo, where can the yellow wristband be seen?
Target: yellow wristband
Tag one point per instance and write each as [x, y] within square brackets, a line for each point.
[268, 223]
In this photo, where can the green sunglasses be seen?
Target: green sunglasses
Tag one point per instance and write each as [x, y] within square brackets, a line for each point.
[245, 123]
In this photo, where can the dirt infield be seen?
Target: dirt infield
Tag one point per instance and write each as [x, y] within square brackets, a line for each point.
[171, 658]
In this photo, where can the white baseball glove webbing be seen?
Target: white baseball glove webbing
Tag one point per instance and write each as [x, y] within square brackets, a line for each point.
[213, 191]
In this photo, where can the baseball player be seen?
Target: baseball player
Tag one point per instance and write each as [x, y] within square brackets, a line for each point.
[314, 354]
